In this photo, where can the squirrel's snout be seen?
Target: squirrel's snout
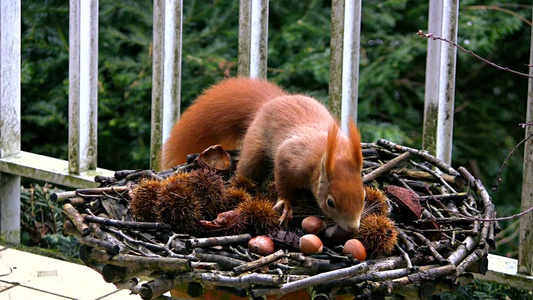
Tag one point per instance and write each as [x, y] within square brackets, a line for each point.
[353, 226]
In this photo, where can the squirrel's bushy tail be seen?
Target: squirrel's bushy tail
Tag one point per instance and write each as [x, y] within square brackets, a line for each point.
[221, 115]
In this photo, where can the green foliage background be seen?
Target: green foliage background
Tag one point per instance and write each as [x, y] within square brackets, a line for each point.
[489, 103]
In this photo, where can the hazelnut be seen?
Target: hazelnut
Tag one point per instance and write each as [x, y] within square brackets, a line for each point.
[313, 225]
[310, 244]
[355, 248]
[261, 245]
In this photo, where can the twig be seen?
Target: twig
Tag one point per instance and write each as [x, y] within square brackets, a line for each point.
[217, 241]
[76, 219]
[420, 153]
[311, 281]
[498, 177]
[433, 251]
[434, 37]
[405, 256]
[260, 262]
[393, 163]
[421, 166]
[223, 261]
[127, 224]
[498, 8]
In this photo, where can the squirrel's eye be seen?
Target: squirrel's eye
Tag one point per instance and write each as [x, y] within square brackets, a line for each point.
[330, 202]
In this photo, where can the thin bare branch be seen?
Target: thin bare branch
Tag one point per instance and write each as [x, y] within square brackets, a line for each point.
[434, 37]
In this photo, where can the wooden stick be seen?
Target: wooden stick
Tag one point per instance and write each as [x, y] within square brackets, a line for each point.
[448, 197]
[311, 266]
[260, 262]
[70, 229]
[434, 252]
[243, 281]
[472, 258]
[422, 154]
[76, 218]
[159, 286]
[435, 174]
[405, 240]
[226, 263]
[112, 190]
[128, 224]
[60, 197]
[386, 167]
[312, 281]
[217, 241]
[425, 176]
[153, 263]
[111, 248]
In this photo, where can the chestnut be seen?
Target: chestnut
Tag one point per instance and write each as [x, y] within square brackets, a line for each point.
[314, 225]
[261, 245]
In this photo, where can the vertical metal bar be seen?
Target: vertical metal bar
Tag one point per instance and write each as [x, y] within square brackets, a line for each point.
[335, 67]
[74, 87]
[350, 61]
[253, 38]
[83, 83]
[525, 252]
[10, 116]
[157, 83]
[243, 68]
[172, 65]
[448, 57]
[89, 79]
[431, 99]
[259, 39]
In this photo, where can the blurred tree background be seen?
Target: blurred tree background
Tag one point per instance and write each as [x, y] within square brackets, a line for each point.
[489, 103]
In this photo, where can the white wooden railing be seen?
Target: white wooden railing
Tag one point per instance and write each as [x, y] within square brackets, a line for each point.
[80, 168]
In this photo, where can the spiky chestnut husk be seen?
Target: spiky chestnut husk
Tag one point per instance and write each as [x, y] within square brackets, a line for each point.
[144, 200]
[378, 235]
[377, 201]
[269, 191]
[208, 188]
[239, 181]
[235, 196]
[176, 207]
[260, 217]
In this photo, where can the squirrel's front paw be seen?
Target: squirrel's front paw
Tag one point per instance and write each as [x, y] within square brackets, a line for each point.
[286, 214]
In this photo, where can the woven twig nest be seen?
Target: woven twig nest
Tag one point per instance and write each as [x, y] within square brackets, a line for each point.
[438, 213]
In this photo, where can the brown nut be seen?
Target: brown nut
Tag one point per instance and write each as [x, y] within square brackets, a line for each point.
[335, 235]
[310, 244]
[355, 248]
[314, 225]
[261, 245]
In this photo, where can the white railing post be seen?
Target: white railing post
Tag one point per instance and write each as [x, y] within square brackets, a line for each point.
[335, 64]
[344, 64]
[525, 253]
[172, 65]
[431, 97]
[253, 38]
[156, 138]
[448, 58]
[10, 116]
[166, 73]
[350, 61]
[83, 85]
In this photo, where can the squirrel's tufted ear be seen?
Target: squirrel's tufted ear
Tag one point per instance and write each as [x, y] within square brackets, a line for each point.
[355, 141]
[331, 147]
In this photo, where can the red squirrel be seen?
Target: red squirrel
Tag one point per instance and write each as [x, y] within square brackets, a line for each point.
[293, 136]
